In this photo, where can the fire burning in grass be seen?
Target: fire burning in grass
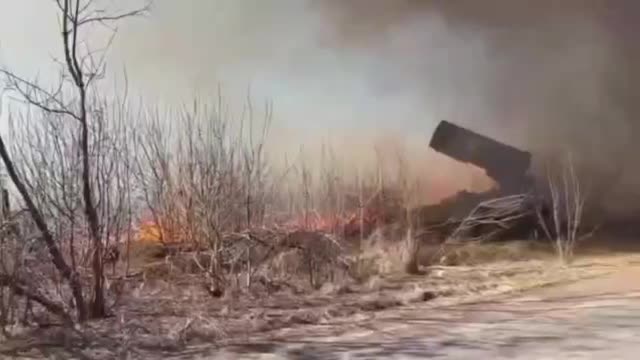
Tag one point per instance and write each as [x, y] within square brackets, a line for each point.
[163, 233]
[149, 231]
[348, 224]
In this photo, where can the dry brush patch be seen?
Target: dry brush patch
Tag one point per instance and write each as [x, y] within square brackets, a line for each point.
[214, 247]
[260, 279]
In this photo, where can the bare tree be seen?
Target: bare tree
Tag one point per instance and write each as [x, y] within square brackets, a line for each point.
[71, 100]
[568, 198]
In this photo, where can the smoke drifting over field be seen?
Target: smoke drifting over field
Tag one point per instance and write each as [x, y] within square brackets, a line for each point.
[542, 77]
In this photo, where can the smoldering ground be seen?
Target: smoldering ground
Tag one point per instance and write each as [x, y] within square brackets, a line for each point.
[547, 76]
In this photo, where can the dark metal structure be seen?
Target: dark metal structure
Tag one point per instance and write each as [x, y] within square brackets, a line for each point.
[5, 204]
[505, 164]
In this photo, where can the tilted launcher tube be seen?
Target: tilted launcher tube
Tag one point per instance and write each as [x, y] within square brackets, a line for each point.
[505, 164]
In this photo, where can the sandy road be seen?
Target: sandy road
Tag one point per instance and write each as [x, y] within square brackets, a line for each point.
[591, 319]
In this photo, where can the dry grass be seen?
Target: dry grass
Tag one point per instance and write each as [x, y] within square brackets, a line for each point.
[158, 317]
[388, 250]
[471, 254]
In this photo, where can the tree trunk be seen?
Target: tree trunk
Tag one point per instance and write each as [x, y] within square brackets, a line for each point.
[56, 256]
[98, 306]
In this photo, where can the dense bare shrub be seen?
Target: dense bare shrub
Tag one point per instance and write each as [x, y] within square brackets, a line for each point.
[71, 124]
[205, 180]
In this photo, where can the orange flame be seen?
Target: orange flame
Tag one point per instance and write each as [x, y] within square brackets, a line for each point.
[149, 231]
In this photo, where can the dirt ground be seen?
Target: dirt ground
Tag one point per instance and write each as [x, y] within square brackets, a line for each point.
[591, 318]
[179, 320]
[597, 318]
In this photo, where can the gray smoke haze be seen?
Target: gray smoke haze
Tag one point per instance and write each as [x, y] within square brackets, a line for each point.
[545, 75]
